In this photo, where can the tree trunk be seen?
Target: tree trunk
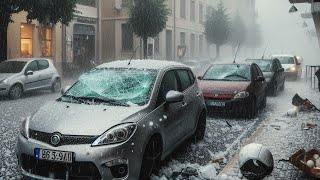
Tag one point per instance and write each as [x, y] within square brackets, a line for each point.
[3, 42]
[145, 47]
[217, 51]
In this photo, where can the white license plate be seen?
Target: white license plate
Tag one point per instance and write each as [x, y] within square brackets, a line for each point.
[51, 155]
[216, 103]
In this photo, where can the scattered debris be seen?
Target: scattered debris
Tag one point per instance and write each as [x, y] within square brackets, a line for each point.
[307, 162]
[308, 126]
[303, 104]
[276, 127]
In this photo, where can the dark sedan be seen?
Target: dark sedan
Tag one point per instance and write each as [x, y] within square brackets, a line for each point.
[238, 89]
[273, 72]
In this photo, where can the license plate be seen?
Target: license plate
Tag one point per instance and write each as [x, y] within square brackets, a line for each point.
[216, 103]
[51, 155]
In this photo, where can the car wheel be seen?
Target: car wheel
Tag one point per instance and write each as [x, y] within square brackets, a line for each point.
[15, 92]
[201, 128]
[56, 86]
[151, 158]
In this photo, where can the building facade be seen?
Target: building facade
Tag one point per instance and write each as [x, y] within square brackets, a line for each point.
[119, 42]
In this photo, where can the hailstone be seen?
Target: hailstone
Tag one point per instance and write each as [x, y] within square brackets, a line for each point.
[316, 156]
[310, 163]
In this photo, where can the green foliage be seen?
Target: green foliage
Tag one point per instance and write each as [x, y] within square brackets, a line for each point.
[238, 31]
[217, 26]
[148, 17]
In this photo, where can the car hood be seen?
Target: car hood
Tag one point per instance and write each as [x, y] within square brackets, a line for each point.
[4, 76]
[287, 66]
[82, 119]
[223, 87]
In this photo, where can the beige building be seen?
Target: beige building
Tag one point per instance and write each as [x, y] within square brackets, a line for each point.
[119, 42]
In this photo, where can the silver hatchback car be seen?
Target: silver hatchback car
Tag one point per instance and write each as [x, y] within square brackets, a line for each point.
[21, 75]
[118, 121]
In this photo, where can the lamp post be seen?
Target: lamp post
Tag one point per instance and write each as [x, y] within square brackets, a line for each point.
[174, 30]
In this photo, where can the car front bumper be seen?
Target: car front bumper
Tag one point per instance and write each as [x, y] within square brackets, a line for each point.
[291, 74]
[102, 162]
[231, 107]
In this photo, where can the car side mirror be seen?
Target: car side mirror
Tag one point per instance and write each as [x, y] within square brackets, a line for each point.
[260, 78]
[65, 89]
[29, 73]
[200, 78]
[174, 97]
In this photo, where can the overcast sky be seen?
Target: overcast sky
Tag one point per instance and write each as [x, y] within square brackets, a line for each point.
[283, 32]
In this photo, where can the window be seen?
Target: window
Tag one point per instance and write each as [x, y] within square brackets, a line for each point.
[201, 13]
[88, 2]
[192, 44]
[192, 10]
[169, 82]
[183, 9]
[182, 38]
[26, 36]
[127, 37]
[46, 46]
[33, 66]
[192, 78]
[43, 64]
[157, 45]
[200, 43]
[184, 79]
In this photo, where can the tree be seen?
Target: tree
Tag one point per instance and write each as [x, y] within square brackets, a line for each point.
[47, 12]
[238, 31]
[147, 19]
[217, 27]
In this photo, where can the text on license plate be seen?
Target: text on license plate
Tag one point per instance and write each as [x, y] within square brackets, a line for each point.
[51, 155]
[217, 103]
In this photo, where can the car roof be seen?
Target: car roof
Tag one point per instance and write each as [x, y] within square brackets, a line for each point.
[142, 64]
[259, 59]
[26, 59]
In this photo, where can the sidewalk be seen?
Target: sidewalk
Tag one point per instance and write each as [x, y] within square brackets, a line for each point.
[283, 136]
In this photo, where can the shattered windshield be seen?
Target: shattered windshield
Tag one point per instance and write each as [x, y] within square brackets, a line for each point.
[265, 65]
[11, 66]
[129, 86]
[228, 72]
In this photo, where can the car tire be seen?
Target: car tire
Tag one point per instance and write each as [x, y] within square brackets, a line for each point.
[252, 109]
[56, 86]
[15, 92]
[151, 158]
[201, 128]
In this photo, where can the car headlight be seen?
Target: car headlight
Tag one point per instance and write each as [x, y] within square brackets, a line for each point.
[5, 81]
[117, 134]
[25, 128]
[241, 95]
[292, 69]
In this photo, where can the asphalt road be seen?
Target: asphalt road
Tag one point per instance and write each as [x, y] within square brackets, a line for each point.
[221, 139]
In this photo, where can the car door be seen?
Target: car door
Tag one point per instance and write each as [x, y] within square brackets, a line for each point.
[189, 110]
[32, 80]
[259, 86]
[276, 73]
[281, 73]
[45, 75]
[170, 115]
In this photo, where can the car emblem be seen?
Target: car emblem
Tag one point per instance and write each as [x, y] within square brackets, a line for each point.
[55, 139]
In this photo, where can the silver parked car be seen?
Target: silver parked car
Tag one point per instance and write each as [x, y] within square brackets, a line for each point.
[118, 121]
[21, 75]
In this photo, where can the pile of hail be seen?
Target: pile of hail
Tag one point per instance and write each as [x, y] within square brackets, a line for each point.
[314, 162]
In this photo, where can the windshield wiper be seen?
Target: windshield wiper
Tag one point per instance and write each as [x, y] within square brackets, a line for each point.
[104, 100]
[73, 98]
[237, 75]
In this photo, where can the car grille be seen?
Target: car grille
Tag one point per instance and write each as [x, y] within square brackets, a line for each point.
[65, 139]
[76, 170]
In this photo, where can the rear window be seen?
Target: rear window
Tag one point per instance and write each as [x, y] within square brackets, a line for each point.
[265, 65]
[43, 64]
[184, 79]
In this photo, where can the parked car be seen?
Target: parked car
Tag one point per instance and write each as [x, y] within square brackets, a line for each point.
[116, 122]
[292, 66]
[198, 66]
[273, 72]
[28, 74]
[239, 89]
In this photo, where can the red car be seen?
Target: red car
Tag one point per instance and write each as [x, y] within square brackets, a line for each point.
[238, 89]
